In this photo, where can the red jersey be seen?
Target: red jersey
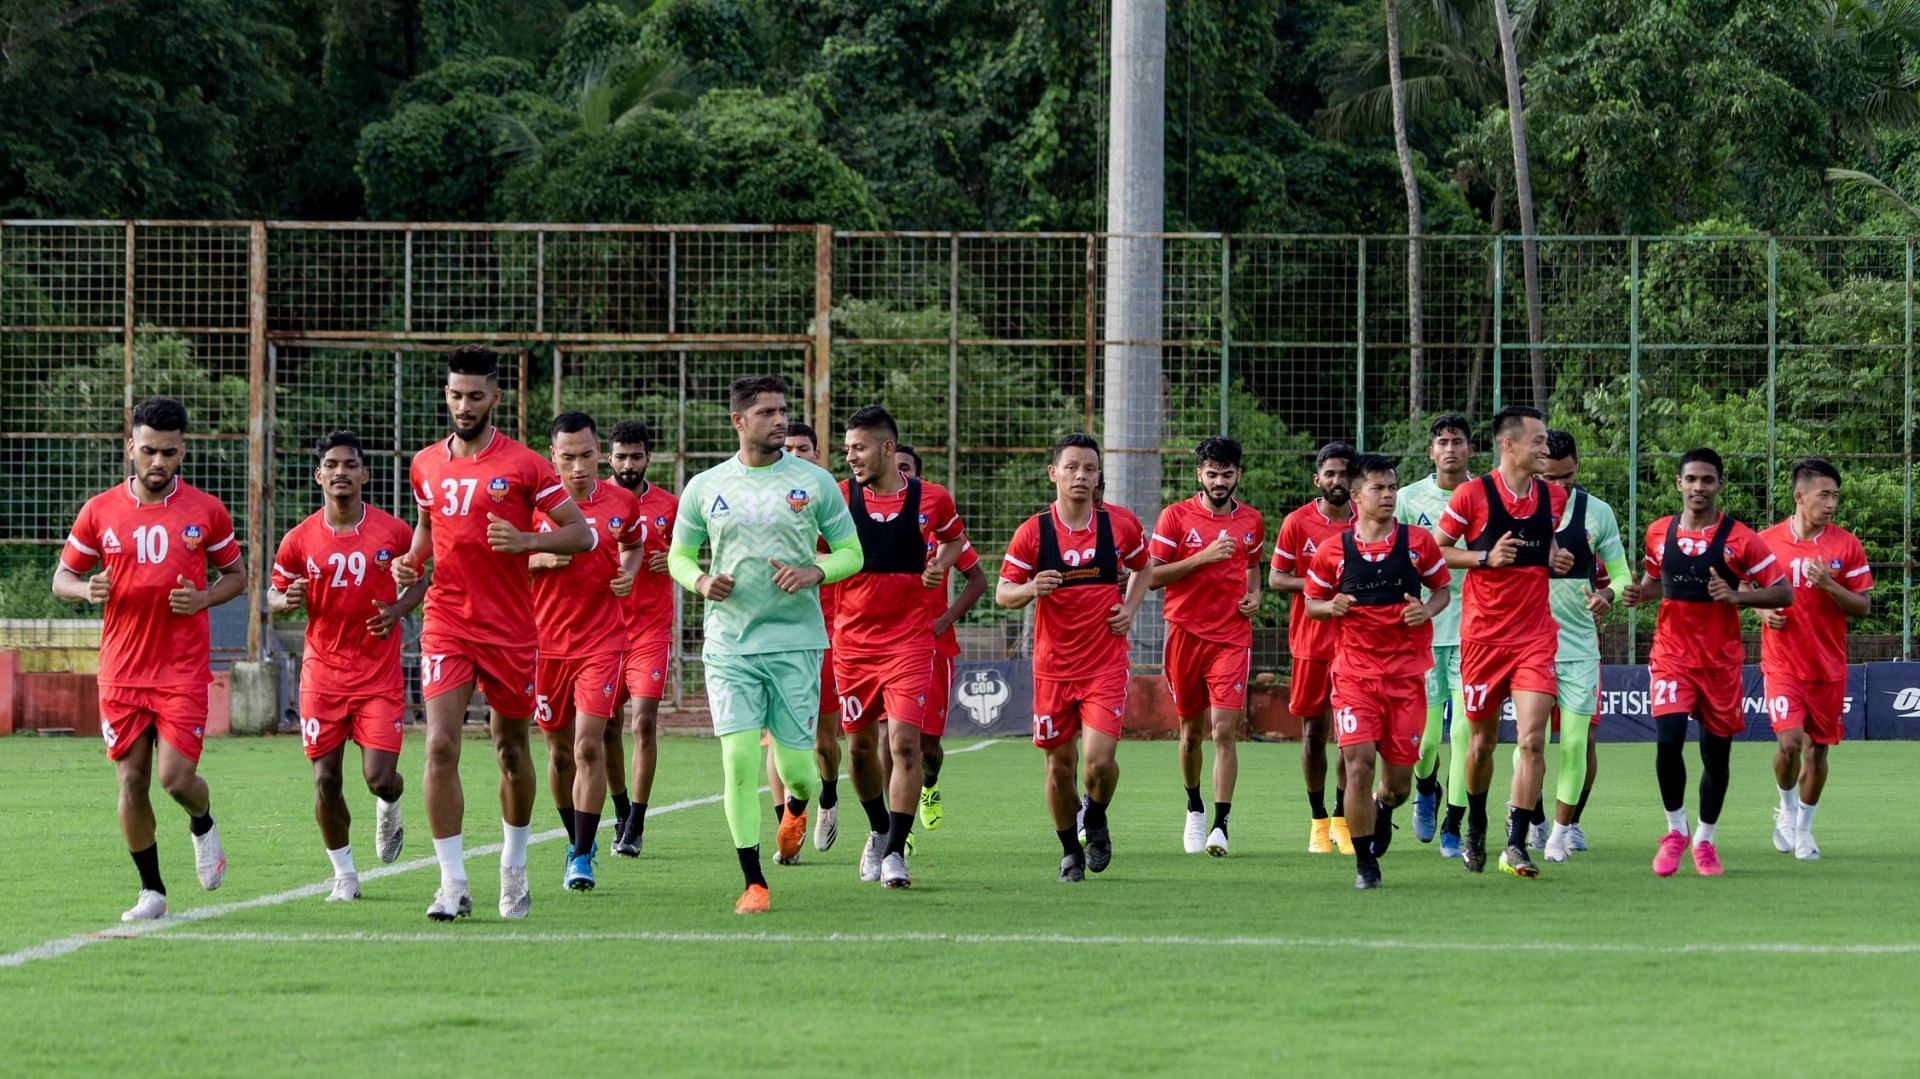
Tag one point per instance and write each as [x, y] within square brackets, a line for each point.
[478, 593]
[648, 609]
[573, 605]
[1508, 605]
[347, 571]
[1690, 635]
[880, 614]
[1071, 641]
[948, 643]
[1375, 641]
[1206, 602]
[146, 550]
[1813, 647]
[1302, 533]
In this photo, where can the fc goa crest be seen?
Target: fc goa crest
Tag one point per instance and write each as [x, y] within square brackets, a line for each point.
[797, 499]
[497, 488]
[190, 536]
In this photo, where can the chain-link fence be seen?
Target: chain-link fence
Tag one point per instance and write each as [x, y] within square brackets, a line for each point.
[986, 347]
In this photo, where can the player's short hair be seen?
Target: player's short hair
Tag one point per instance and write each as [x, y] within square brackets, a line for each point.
[568, 423]
[874, 418]
[1807, 468]
[918, 468]
[745, 391]
[160, 414]
[1334, 451]
[1452, 421]
[804, 430]
[632, 433]
[1218, 449]
[1704, 455]
[1370, 464]
[474, 360]
[1078, 440]
[336, 439]
[1560, 446]
[1508, 419]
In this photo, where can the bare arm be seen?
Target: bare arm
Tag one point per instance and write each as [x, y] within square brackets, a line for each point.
[970, 594]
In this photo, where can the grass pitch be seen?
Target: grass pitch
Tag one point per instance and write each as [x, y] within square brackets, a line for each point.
[1262, 961]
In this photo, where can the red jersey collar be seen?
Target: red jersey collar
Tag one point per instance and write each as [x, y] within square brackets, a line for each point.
[168, 497]
[1093, 519]
[493, 436]
[1531, 480]
[1315, 506]
[1793, 530]
[1200, 500]
[354, 530]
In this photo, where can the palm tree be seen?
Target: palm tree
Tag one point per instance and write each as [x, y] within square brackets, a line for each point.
[1865, 183]
[604, 104]
[1523, 196]
[1415, 330]
[1886, 35]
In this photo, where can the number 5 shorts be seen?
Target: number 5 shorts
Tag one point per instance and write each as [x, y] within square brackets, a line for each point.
[778, 692]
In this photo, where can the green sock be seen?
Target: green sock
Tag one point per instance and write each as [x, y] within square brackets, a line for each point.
[740, 765]
[1430, 742]
[797, 771]
[1459, 737]
[1574, 730]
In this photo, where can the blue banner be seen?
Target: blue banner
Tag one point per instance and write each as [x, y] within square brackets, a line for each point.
[992, 697]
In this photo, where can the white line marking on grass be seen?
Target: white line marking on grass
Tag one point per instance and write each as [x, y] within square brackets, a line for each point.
[1181, 941]
[54, 949]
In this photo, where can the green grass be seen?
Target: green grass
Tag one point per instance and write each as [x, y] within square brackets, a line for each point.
[1277, 974]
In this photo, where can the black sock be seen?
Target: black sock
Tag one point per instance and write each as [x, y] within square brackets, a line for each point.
[1096, 814]
[876, 814]
[1670, 759]
[1069, 842]
[1363, 847]
[1539, 814]
[148, 863]
[1194, 805]
[1715, 755]
[566, 820]
[1477, 811]
[1428, 784]
[1450, 824]
[585, 826]
[929, 771]
[201, 824]
[796, 807]
[1339, 801]
[779, 812]
[1581, 805]
[636, 821]
[898, 825]
[621, 806]
[1317, 801]
[1220, 812]
[1518, 821]
[1382, 827]
[750, 865]
[829, 792]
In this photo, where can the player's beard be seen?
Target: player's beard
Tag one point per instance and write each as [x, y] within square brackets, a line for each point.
[1336, 496]
[629, 479]
[156, 485]
[472, 434]
[1223, 501]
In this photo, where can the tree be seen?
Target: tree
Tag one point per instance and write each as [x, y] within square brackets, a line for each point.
[1416, 355]
[1523, 195]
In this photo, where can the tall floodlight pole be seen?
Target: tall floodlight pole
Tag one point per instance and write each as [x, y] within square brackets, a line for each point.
[1136, 170]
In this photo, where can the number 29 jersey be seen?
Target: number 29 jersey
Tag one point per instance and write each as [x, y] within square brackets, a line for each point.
[347, 572]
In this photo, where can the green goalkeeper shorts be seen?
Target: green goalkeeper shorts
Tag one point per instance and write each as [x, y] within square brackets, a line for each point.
[778, 692]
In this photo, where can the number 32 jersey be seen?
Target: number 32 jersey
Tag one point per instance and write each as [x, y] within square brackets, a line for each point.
[347, 572]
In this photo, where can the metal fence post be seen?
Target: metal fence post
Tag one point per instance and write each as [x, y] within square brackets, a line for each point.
[953, 358]
[1499, 286]
[259, 459]
[1226, 328]
[1360, 347]
[1633, 427]
[1773, 366]
[126, 340]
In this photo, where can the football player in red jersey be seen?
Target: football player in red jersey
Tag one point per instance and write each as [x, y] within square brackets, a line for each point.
[1499, 531]
[649, 611]
[883, 633]
[1206, 554]
[1803, 655]
[1310, 643]
[1695, 562]
[154, 538]
[1068, 561]
[477, 491]
[946, 650]
[1368, 584]
[583, 638]
[337, 565]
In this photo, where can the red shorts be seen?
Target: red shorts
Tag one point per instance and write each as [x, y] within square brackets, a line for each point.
[829, 688]
[179, 715]
[1492, 673]
[1061, 708]
[1311, 690]
[1389, 712]
[1710, 696]
[873, 688]
[939, 696]
[1815, 704]
[643, 672]
[503, 672]
[373, 719]
[583, 685]
[1203, 673]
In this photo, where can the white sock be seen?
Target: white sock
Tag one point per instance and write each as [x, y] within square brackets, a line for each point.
[385, 806]
[1677, 821]
[1559, 829]
[1703, 834]
[342, 860]
[453, 859]
[1789, 801]
[1804, 823]
[513, 852]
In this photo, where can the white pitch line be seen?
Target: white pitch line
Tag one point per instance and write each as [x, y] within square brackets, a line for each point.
[53, 949]
[1181, 941]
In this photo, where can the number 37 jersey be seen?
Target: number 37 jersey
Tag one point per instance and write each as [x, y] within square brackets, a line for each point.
[347, 572]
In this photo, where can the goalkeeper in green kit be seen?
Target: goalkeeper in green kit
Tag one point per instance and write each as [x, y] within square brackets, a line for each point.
[760, 514]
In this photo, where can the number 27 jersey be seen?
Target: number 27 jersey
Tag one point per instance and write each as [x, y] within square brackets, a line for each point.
[347, 572]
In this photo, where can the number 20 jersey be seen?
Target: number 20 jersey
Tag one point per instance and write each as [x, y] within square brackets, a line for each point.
[347, 572]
